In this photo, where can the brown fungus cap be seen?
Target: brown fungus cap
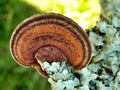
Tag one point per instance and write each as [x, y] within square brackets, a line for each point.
[50, 37]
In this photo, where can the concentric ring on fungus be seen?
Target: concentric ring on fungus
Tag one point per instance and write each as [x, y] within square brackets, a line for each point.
[50, 37]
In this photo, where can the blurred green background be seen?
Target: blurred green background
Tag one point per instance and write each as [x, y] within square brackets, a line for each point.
[12, 12]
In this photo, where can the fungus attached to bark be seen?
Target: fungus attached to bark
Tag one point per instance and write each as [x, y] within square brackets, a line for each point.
[50, 37]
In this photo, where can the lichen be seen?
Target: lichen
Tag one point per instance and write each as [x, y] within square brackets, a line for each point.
[61, 75]
[103, 72]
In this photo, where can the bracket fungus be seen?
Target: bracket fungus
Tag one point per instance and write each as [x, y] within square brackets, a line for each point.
[50, 37]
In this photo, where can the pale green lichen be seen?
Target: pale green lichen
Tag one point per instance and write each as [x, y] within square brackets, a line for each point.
[103, 72]
[61, 76]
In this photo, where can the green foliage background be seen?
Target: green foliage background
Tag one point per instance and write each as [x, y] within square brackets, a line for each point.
[12, 12]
